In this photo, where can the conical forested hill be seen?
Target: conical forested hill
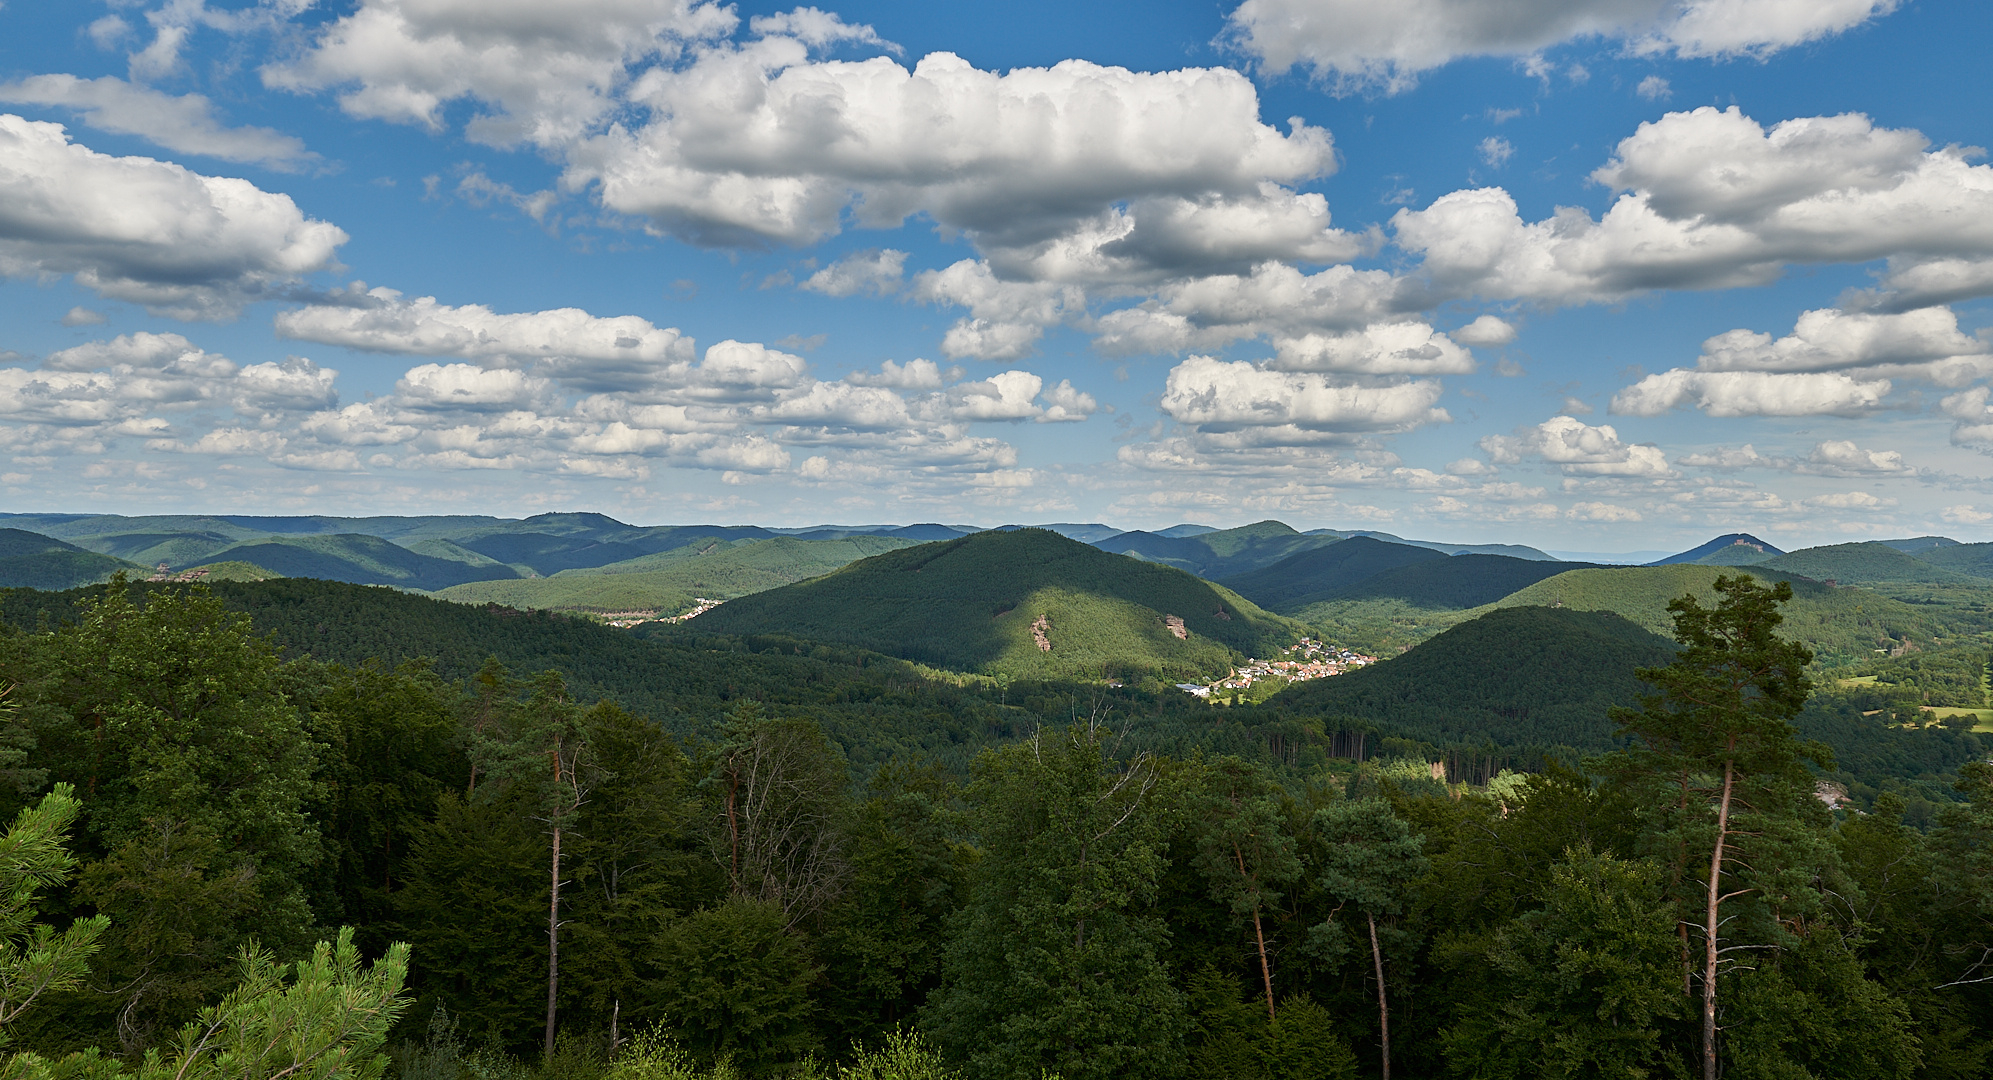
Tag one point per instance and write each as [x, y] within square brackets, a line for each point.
[1028, 602]
[1522, 677]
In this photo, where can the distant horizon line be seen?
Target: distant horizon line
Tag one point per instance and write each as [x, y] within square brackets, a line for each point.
[1569, 554]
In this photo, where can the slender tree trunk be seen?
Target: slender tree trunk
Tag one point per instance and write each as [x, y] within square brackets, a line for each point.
[1709, 951]
[1688, 963]
[733, 831]
[1383, 1005]
[1265, 972]
[553, 940]
[1259, 935]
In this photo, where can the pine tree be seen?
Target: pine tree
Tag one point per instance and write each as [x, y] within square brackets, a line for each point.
[1719, 757]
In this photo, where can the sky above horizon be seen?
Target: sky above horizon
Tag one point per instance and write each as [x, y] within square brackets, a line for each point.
[1594, 275]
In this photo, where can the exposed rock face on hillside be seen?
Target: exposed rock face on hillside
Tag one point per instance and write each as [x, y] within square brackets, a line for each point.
[1038, 629]
[1175, 623]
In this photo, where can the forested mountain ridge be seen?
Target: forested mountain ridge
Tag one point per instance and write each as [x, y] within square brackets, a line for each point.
[1320, 573]
[1027, 602]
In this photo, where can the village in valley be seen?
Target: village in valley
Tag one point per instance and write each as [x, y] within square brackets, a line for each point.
[1309, 659]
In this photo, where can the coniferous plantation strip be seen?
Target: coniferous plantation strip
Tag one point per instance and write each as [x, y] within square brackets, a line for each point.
[794, 857]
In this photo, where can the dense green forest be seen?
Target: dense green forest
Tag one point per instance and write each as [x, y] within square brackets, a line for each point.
[694, 855]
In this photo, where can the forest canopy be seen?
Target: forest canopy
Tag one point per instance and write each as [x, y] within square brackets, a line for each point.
[791, 859]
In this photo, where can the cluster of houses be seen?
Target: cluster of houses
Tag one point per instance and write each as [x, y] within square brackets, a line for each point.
[627, 619]
[1311, 659]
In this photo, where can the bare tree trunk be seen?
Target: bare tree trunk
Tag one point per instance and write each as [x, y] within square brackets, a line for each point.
[1710, 925]
[1259, 935]
[1383, 1005]
[553, 941]
[1265, 972]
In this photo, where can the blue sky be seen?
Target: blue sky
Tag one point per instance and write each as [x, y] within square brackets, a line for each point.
[1594, 275]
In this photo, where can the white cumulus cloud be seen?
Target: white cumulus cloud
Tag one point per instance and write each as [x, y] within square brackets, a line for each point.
[1073, 172]
[583, 350]
[147, 231]
[1580, 449]
[1751, 393]
[1924, 343]
[1290, 407]
[544, 73]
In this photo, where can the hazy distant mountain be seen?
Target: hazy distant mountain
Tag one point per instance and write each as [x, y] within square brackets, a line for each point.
[1514, 551]
[1217, 553]
[1730, 549]
[1083, 533]
[1454, 582]
[1917, 545]
[1320, 573]
[1608, 558]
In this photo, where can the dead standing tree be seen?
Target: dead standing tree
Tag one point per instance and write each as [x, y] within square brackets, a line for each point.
[780, 788]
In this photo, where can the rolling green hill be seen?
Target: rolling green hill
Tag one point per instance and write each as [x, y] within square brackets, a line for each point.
[1973, 559]
[33, 561]
[669, 581]
[175, 549]
[1862, 564]
[1533, 678]
[355, 559]
[1841, 625]
[983, 602]
[1319, 573]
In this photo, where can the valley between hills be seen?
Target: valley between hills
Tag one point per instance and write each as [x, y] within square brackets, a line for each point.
[892, 719]
[1217, 617]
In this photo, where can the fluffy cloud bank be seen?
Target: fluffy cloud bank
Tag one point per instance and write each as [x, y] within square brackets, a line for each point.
[1360, 44]
[146, 231]
[1076, 173]
[1833, 363]
[545, 73]
[1713, 200]
[555, 392]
